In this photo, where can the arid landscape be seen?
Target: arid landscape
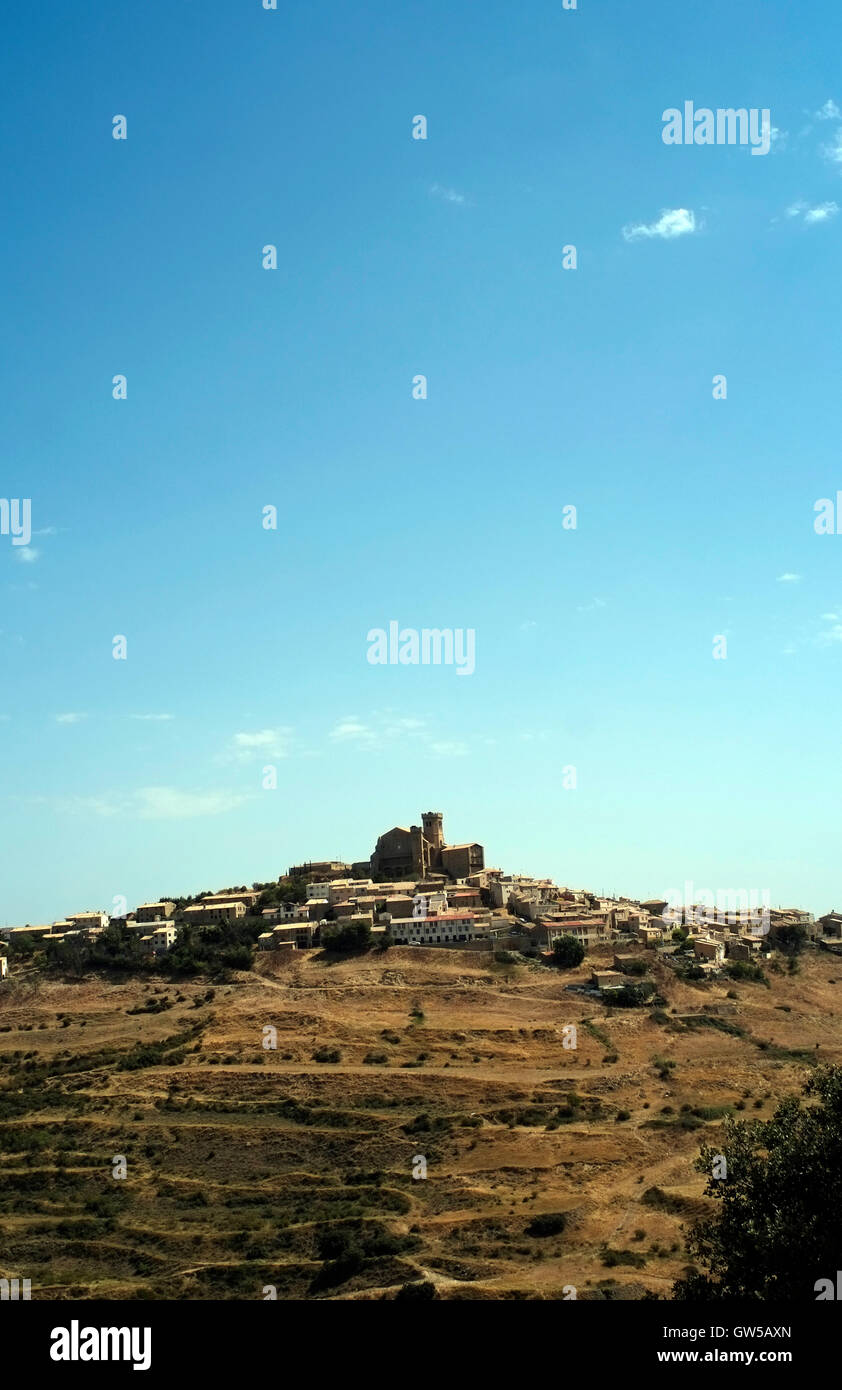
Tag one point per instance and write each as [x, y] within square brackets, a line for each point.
[253, 1169]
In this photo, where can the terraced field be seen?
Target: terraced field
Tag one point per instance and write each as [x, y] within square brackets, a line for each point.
[292, 1162]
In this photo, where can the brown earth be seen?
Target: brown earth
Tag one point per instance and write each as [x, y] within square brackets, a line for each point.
[241, 1159]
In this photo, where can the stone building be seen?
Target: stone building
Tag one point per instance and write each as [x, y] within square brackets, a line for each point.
[417, 850]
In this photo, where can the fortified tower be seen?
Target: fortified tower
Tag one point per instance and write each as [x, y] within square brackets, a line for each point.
[433, 824]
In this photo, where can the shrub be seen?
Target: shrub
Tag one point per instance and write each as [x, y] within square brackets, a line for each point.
[568, 952]
[419, 1290]
[744, 970]
[548, 1224]
[352, 936]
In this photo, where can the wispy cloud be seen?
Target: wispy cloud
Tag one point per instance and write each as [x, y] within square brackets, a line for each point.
[589, 607]
[70, 718]
[27, 554]
[152, 717]
[672, 223]
[448, 195]
[829, 112]
[149, 803]
[788, 578]
[833, 150]
[822, 212]
[170, 803]
[353, 729]
[449, 749]
[274, 742]
[832, 633]
[384, 727]
[95, 805]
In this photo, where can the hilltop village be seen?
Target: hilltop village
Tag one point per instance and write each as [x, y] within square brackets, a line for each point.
[417, 890]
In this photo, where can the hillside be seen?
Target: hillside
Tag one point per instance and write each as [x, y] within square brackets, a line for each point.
[249, 1167]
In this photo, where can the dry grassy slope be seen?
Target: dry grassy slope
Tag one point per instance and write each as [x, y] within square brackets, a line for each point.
[240, 1157]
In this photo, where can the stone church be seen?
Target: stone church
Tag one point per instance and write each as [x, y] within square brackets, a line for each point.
[417, 851]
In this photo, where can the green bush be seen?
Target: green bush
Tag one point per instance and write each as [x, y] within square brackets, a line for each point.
[744, 970]
[547, 1224]
[347, 937]
[568, 952]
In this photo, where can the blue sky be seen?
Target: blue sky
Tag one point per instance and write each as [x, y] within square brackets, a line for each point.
[293, 388]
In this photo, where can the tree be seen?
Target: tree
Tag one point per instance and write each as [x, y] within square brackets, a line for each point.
[568, 952]
[423, 1290]
[352, 936]
[788, 938]
[632, 995]
[778, 1230]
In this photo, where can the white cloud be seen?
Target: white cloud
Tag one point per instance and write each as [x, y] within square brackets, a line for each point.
[351, 728]
[70, 718]
[384, 726]
[448, 195]
[449, 750]
[833, 151]
[829, 112]
[831, 633]
[169, 803]
[671, 223]
[97, 805]
[27, 554]
[589, 607]
[150, 803]
[822, 213]
[788, 578]
[272, 741]
[154, 717]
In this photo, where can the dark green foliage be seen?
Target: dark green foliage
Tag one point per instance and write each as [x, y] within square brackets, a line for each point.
[789, 938]
[778, 1228]
[612, 1258]
[548, 1224]
[568, 952]
[350, 936]
[744, 970]
[632, 995]
[423, 1290]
